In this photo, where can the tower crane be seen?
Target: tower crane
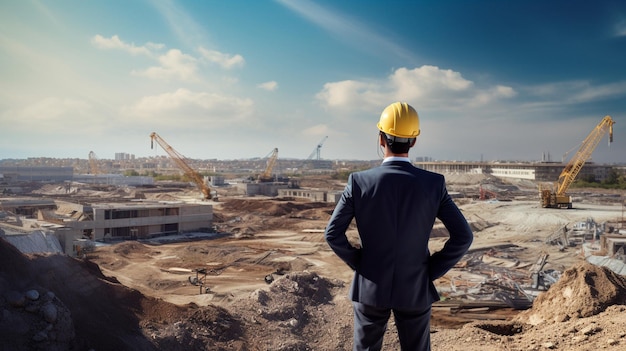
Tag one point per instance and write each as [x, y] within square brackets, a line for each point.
[266, 176]
[318, 148]
[556, 196]
[93, 163]
[182, 163]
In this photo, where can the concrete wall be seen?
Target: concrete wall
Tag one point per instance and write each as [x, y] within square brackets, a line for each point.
[311, 194]
[152, 220]
[39, 173]
[266, 189]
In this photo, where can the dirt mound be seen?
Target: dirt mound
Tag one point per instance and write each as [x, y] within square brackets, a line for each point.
[582, 291]
[127, 248]
[583, 311]
[54, 302]
[274, 208]
[298, 312]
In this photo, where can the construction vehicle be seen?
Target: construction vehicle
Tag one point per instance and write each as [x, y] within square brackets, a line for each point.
[266, 176]
[484, 194]
[554, 196]
[183, 164]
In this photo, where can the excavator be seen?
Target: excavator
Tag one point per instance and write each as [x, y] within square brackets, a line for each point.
[554, 196]
[180, 161]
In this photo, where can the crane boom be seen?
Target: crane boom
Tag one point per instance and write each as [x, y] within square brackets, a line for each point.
[572, 169]
[318, 148]
[180, 161]
[558, 198]
[266, 176]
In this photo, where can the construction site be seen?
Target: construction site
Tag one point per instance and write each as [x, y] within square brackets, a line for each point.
[237, 260]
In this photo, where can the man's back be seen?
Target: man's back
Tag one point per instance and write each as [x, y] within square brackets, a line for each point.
[395, 206]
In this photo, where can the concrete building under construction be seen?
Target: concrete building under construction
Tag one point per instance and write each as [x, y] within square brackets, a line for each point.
[72, 223]
[147, 220]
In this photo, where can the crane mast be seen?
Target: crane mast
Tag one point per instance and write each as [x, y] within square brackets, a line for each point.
[558, 197]
[266, 176]
[180, 161]
[317, 150]
[93, 163]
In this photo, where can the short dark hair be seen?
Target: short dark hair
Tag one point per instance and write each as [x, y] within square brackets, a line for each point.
[396, 144]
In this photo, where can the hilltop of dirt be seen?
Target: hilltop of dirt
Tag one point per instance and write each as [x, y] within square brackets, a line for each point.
[582, 291]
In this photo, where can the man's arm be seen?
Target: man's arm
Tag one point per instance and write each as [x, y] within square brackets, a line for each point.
[461, 238]
[335, 233]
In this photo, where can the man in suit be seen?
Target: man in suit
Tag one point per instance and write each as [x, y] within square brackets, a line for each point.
[395, 206]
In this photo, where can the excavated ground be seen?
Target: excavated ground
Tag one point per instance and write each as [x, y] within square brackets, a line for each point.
[271, 283]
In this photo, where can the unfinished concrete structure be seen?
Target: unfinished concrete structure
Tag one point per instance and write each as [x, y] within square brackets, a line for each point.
[311, 194]
[72, 223]
[147, 220]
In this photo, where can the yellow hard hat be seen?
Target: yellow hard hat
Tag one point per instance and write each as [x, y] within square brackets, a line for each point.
[400, 120]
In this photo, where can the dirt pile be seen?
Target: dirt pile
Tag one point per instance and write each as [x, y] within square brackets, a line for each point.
[247, 217]
[298, 311]
[583, 311]
[273, 208]
[582, 291]
[54, 302]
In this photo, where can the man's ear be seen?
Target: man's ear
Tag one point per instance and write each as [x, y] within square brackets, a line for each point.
[381, 140]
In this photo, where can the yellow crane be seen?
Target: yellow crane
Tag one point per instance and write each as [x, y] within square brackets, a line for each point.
[556, 196]
[182, 163]
[266, 176]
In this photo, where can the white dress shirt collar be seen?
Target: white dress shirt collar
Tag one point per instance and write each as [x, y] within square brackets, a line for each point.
[396, 158]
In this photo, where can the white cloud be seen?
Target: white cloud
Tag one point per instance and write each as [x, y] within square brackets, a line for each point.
[349, 94]
[600, 92]
[174, 65]
[114, 42]
[425, 86]
[620, 28]
[185, 106]
[426, 80]
[50, 109]
[576, 91]
[52, 115]
[318, 130]
[269, 86]
[349, 29]
[223, 60]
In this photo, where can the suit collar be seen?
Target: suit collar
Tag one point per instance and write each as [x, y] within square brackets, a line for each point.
[396, 159]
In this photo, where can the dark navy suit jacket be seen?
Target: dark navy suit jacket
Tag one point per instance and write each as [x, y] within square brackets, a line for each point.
[395, 206]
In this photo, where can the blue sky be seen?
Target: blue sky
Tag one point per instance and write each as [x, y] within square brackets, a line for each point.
[491, 80]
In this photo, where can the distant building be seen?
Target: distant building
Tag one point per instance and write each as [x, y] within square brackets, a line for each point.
[122, 156]
[38, 173]
[539, 171]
